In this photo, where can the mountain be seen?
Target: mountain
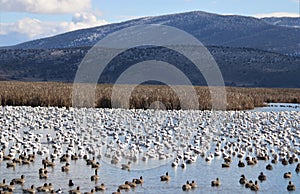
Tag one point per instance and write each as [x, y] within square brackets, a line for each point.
[210, 29]
[250, 52]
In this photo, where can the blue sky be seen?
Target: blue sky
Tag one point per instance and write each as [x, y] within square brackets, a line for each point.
[23, 20]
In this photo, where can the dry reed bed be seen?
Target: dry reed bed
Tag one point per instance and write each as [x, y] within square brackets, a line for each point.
[60, 94]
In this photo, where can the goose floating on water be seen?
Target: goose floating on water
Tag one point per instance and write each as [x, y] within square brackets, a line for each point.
[139, 181]
[75, 191]
[126, 166]
[30, 190]
[243, 179]
[186, 186]
[287, 175]
[249, 184]
[70, 184]
[117, 192]
[165, 177]
[255, 186]
[20, 181]
[124, 186]
[262, 177]
[91, 192]
[95, 177]
[193, 184]
[100, 187]
[65, 168]
[291, 186]
[216, 183]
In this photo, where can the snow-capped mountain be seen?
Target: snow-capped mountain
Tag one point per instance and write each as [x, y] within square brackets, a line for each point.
[249, 51]
[210, 29]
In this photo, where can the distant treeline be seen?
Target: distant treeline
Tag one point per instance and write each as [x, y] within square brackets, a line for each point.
[60, 94]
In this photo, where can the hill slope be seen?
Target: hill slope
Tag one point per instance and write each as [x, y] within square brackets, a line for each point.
[239, 66]
[249, 51]
[210, 29]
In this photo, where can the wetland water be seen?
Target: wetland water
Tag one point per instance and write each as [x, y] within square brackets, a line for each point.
[134, 134]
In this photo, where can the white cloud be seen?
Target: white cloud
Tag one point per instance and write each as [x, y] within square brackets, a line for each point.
[45, 6]
[82, 20]
[277, 14]
[29, 28]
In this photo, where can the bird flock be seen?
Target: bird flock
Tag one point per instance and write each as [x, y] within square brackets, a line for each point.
[139, 140]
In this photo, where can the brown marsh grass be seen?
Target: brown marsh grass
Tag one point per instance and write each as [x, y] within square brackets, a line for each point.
[143, 96]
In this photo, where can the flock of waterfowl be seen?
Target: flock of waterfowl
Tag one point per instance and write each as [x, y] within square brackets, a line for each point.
[55, 138]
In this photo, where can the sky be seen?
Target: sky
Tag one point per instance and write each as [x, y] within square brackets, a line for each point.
[24, 20]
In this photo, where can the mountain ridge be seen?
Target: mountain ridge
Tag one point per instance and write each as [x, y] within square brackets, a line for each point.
[211, 29]
[250, 52]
